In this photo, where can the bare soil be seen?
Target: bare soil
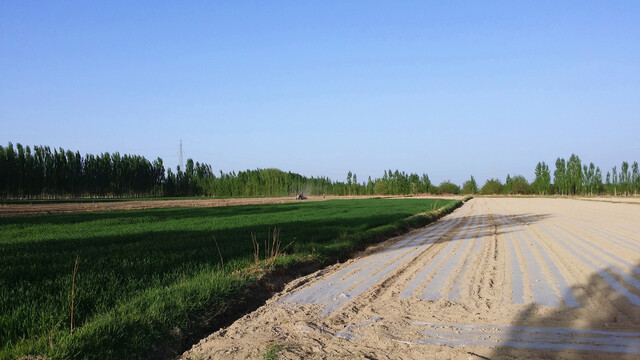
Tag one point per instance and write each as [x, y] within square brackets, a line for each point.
[56, 208]
[498, 278]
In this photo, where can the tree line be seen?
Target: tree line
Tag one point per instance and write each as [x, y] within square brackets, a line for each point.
[570, 177]
[40, 172]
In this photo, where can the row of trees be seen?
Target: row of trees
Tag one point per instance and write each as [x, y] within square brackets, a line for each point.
[41, 172]
[570, 177]
[27, 172]
[197, 179]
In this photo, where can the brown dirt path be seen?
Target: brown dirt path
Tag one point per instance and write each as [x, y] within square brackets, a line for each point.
[57, 208]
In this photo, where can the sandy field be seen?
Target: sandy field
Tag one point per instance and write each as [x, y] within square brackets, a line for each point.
[498, 278]
[619, 199]
[34, 209]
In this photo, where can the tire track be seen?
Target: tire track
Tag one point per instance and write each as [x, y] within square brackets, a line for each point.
[548, 285]
[435, 263]
[517, 283]
[456, 291]
[436, 286]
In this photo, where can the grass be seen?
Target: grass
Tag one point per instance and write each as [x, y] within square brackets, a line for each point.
[146, 276]
[272, 352]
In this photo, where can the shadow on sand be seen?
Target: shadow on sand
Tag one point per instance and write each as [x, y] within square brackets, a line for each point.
[604, 311]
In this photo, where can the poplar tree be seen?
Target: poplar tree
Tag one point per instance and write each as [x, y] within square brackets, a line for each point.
[425, 183]
[625, 177]
[542, 182]
[574, 174]
[635, 177]
[470, 186]
[614, 180]
[597, 180]
[560, 175]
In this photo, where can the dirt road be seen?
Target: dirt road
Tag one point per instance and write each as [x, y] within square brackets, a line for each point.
[498, 278]
[71, 207]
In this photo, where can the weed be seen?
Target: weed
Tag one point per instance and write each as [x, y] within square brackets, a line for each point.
[219, 253]
[73, 284]
[256, 249]
[273, 351]
[271, 248]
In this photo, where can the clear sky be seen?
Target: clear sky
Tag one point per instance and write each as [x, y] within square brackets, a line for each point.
[447, 88]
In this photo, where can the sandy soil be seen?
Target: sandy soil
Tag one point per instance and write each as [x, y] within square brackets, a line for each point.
[618, 199]
[498, 278]
[33, 209]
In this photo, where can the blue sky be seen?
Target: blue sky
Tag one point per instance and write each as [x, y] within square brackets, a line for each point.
[451, 89]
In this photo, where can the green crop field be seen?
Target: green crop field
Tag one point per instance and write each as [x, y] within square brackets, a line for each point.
[146, 275]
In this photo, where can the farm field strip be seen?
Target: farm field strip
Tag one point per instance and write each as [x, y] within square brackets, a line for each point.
[499, 277]
[413, 285]
[548, 284]
[593, 256]
[530, 267]
[417, 280]
[434, 287]
[541, 285]
[591, 262]
[328, 289]
[593, 250]
[552, 268]
[369, 281]
[456, 291]
[530, 338]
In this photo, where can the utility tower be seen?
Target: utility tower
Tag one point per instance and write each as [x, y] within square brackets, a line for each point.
[180, 162]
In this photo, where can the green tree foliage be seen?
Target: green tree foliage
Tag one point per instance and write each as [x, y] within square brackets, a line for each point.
[560, 177]
[447, 187]
[370, 186]
[597, 181]
[491, 187]
[470, 186]
[542, 183]
[425, 184]
[635, 177]
[43, 173]
[625, 178]
[591, 179]
[574, 175]
[519, 185]
[355, 187]
[508, 185]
